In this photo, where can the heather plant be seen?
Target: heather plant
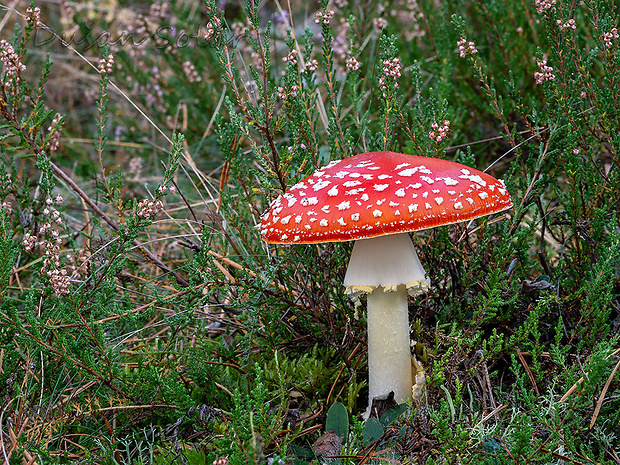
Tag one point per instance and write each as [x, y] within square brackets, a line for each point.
[143, 319]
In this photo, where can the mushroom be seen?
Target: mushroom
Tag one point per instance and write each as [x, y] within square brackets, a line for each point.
[375, 199]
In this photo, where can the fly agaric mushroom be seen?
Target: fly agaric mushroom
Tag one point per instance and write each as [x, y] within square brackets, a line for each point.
[375, 199]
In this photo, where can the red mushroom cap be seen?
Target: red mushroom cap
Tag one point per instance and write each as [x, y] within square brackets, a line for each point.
[378, 193]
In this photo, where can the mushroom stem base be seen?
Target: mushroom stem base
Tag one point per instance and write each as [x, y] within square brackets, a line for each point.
[389, 355]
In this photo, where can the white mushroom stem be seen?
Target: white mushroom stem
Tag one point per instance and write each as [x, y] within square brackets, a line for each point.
[387, 268]
[389, 353]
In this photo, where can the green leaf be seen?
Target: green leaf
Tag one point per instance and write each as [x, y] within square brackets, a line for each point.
[301, 453]
[388, 417]
[373, 430]
[338, 420]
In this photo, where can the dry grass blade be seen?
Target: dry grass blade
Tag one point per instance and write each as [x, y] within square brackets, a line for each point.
[576, 385]
[599, 404]
[242, 268]
[562, 457]
[223, 181]
[491, 414]
[529, 372]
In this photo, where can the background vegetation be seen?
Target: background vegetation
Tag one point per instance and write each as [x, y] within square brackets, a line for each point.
[143, 320]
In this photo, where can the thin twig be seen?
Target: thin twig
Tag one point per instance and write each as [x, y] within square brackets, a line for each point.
[599, 404]
[529, 372]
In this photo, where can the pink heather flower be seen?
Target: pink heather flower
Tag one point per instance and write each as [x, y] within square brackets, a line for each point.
[66, 9]
[543, 6]
[106, 65]
[59, 281]
[466, 48]
[380, 23]
[353, 64]
[283, 94]
[29, 242]
[291, 57]
[392, 67]
[159, 10]
[312, 65]
[149, 208]
[54, 132]
[190, 72]
[10, 59]
[391, 72]
[135, 166]
[212, 27]
[608, 37]
[33, 15]
[324, 18]
[7, 205]
[545, 73]
[570, 24]
[439, 133]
